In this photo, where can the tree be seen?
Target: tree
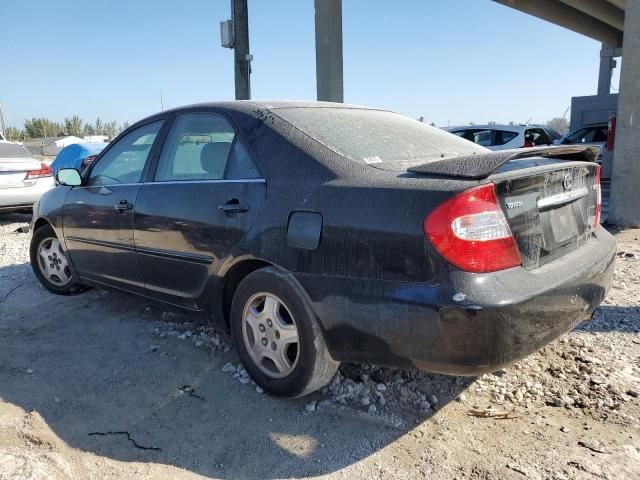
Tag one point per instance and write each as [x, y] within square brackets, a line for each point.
[73, 126]
[110, 129]
[14, 134]
[42, 127]
[88, 129]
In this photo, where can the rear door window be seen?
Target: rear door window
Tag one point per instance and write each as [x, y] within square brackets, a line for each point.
[203, 146]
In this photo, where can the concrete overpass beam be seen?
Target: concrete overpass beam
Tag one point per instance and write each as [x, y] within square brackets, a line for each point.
[600, 9]
[565, 16]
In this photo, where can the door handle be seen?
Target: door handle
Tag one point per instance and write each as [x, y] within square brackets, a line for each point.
[123, 206]
[233, 206]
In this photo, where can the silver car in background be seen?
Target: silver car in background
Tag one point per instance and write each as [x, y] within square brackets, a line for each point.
[23, 178]
[506, 137]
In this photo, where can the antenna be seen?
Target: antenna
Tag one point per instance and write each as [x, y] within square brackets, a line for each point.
[161, 102]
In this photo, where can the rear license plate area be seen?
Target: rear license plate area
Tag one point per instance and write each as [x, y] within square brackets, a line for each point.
[563, 224]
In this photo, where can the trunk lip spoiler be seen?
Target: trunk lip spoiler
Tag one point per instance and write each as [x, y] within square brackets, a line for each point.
[480, 165]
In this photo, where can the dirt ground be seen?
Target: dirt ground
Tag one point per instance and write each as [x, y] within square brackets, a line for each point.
[106, 385]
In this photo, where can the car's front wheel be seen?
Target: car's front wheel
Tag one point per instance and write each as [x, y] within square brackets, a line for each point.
[277, 337]
[50, 264]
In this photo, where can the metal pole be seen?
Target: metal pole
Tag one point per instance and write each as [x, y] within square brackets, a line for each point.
[242, 58]
[329, 50]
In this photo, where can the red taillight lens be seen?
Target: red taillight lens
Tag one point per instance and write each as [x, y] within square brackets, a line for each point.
[598, 189]
[45, 171]
[471, 232]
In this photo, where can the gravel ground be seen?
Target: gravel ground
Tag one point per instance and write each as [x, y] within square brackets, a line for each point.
[107, 385]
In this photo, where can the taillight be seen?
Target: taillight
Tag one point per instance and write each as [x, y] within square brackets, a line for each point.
[598, 190]
[44, 171]
[471, 232]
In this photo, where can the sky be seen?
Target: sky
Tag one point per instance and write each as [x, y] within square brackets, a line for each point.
[452, 62]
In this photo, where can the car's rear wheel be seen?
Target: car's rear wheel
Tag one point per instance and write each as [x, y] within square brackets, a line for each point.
[50, 264]
[277, 337]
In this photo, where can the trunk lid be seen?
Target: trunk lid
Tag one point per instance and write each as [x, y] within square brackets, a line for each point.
[549, 195]
[551, 206]
[15, 161]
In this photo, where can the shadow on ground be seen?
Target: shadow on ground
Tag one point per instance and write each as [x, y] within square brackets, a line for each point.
[81, 362]
[611, 318]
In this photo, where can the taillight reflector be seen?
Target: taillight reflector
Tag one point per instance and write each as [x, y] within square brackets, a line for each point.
[44, 171]
[471, 232]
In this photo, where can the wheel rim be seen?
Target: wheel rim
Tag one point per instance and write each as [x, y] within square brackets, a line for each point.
[270, 335]
[53, 263]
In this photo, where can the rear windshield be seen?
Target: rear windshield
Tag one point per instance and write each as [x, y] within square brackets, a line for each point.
[11, 150]
[381, 139]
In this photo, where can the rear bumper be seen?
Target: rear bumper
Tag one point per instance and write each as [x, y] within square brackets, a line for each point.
[16, 198]
[499, 317]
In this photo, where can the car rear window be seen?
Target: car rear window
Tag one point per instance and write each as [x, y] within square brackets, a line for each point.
[375, 137]
[11, 150]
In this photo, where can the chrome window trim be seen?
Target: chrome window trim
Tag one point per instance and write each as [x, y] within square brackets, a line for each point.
[171, 182]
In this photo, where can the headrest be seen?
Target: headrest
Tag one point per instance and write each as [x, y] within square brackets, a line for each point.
[213, 158]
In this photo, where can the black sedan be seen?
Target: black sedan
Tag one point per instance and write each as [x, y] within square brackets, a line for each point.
[319, 233]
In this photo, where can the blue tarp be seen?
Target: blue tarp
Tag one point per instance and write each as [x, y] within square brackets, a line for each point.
[72, 156]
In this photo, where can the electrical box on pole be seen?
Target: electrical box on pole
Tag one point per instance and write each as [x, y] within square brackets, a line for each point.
[226, 33]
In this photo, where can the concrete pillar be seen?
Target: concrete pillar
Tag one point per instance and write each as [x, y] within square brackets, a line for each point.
[606, 70]
[329, 50]
[625, 177]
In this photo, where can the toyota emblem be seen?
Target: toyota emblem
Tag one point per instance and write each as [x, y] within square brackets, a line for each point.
[567, 181]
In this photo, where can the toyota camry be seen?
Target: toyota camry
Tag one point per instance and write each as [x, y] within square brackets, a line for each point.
[319, 233]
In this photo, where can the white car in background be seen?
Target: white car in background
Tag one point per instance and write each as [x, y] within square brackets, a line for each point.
[504, 137]
[23, 179]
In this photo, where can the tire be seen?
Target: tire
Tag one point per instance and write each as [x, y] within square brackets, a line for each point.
[60, 281]
[310, 365]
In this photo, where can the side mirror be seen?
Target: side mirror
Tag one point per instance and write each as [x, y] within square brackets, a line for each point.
[69, 177]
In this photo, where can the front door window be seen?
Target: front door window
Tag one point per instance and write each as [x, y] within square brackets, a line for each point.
[124, 162]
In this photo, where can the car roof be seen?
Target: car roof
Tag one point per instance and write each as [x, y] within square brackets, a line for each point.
[250, 106]
[269, 105]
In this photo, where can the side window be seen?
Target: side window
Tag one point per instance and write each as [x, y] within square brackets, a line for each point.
[537, 136]
[484, 138]
[200, 146]
[240, 166]
[125, 160]
[600, 134]
[503, 136]
[580, 136]
[467, 134]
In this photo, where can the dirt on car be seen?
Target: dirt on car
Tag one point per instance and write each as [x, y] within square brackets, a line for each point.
[104, 384]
